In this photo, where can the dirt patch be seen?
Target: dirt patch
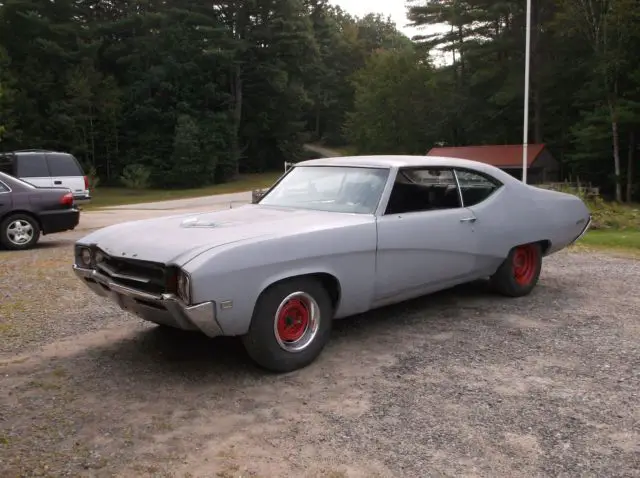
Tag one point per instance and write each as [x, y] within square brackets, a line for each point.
[458, 383]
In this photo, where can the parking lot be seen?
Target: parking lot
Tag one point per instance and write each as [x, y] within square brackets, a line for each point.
[461, 383]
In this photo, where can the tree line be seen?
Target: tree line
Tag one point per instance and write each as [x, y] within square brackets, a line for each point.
[189, 93]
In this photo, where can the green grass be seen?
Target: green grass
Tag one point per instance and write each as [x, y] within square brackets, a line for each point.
[105, 196]
[628, 240]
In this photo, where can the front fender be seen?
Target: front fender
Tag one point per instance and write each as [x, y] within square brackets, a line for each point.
[234, 275]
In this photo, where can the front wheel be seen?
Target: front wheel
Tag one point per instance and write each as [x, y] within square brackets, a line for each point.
[291, 325]
[19, 232]
[519, 273]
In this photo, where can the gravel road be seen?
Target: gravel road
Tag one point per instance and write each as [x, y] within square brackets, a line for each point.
[461, 383]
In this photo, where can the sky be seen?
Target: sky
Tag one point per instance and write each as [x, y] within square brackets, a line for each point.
[396, 9]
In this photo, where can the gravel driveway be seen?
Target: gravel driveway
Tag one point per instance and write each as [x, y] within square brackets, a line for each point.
[462, 383]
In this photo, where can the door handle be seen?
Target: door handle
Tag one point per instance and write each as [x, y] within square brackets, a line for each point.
[468, 219]
[57, 182]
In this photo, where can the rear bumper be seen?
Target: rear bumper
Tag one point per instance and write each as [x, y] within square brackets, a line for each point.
[82, 198]
[584, 230]
[165, 309]
[59, 221]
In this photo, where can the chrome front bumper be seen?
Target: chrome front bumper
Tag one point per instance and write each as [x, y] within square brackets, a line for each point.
[165, 309]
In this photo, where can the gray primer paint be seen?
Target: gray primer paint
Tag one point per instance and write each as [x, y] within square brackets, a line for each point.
[233, 255]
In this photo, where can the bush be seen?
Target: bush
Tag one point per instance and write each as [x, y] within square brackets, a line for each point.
[92, 176]
[606, 215]
[609, 215]
[135, 176]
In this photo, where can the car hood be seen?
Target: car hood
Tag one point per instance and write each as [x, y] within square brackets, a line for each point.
[178, 239]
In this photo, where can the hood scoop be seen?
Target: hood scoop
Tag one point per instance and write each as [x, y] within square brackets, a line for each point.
[200, 222]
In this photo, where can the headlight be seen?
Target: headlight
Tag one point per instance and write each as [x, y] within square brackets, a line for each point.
[184, 287]
[178, 283]
[99, 257]
[85, 257]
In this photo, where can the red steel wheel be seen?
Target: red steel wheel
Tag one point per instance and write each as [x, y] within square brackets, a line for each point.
[296, 321]
[525, 264]
[519, 272]
[293, 320]
[290, 325]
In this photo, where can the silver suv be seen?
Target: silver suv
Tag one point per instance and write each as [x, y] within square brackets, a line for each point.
[48, 169]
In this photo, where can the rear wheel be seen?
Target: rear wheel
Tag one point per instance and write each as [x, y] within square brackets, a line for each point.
[519, 273]
[290, 326]
[19, 232]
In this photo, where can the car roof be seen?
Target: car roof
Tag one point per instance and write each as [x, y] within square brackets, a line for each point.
[13, 182]
[408, 161]
[31, 151]
[403, 161]
[7, 179]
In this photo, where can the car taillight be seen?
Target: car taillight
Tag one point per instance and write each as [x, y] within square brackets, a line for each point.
[67, 200]
[86, 182]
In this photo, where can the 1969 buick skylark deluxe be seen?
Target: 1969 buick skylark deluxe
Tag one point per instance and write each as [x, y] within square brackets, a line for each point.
[333, 237]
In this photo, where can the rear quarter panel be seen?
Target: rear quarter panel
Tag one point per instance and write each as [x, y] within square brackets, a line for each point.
[240, 271]
[519, 214]
[568, 216]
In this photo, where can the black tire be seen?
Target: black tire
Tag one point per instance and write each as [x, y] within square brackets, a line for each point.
[519, 273]
[10, 222]
[263, 341]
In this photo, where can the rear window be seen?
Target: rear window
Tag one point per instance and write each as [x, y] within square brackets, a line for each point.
[32, 165]
[61, 164]
[6, 164]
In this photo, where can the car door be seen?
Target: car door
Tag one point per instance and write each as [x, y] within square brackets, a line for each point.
[6, 203]
[426, 240]
[66, 172]
[481, 193]
[32, 168]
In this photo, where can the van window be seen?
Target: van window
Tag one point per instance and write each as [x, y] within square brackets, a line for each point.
[61, 164]
[6, 164]
[32, 165]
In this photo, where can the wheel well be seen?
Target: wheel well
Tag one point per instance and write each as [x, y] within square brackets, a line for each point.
[26, 213]
[544, 245]
[328, 281]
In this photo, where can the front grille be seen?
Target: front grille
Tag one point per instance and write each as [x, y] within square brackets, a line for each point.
[144, 276]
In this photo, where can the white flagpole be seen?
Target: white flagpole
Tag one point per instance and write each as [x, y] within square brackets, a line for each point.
[525, 134]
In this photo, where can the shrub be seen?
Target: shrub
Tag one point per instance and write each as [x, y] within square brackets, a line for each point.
[135, 176]
[92, 175]
[606, 215]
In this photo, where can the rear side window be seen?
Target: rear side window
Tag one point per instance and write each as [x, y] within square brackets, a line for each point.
[3, 188]
[32, 165]
[6, 164]
[476, 187]
[61, 164]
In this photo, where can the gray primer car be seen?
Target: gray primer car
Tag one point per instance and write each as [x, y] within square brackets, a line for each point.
[332, 238]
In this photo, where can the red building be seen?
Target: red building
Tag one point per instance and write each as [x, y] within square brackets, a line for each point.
[542, 167]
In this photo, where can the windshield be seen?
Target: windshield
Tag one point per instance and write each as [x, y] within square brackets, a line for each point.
[329, 188]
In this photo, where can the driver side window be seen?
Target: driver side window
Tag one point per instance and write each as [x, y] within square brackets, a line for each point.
[423, 189]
